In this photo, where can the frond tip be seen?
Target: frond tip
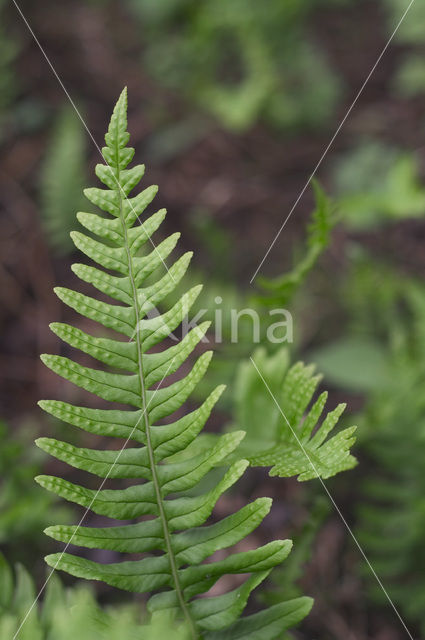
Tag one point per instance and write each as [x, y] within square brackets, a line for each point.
[170, 530]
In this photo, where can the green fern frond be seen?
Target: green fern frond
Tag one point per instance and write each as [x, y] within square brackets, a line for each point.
[291, 441]
[172, 538]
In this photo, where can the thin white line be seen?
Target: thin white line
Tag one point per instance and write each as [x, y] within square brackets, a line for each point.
[74, 106]
[300, 444]
[91, 504]
[332, 140]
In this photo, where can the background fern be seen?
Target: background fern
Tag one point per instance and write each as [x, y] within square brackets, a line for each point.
[385, 346]
[24, 510]
[275, 66]
[391, 517]
[176, 530]
[281, 290]
[63, 180]
[376, 184]
[274, 437]
[69, 613]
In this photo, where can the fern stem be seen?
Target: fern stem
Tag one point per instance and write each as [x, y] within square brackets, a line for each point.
[162, 515]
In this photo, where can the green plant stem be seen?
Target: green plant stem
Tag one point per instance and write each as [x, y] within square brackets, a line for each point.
[170, 551]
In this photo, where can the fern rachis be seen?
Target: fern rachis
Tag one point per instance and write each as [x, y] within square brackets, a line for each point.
[147, 426]
[176, 529]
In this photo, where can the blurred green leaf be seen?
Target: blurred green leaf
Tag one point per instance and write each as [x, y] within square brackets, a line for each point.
[62, 180]
[241, 61]
[354, 363]
[24, 509]
[6, 583]
[411, 29]
[377, 185]
[409, 80]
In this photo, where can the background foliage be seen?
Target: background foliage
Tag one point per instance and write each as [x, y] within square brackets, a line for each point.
[233, 105]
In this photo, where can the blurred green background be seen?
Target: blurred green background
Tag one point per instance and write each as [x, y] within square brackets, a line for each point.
[232, 103]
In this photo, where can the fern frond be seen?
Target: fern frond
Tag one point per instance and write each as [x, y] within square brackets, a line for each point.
[280, 290]
[291, 441]
[173, 538]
